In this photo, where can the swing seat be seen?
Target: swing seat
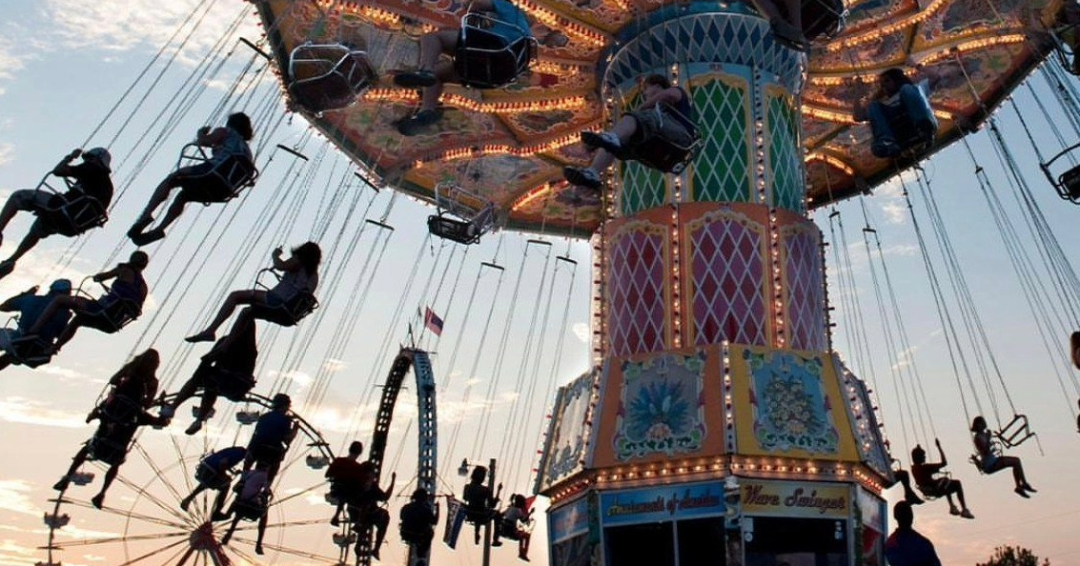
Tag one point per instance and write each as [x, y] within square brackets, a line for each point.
[247, 417]
[344, 540]
[29, 351]
[1015, 432]
[823, 18]
[328, 76]
[485, 59]
[211, 478]
[664, 154]
[56, 520]
[316, 461]
[232, 385]
[107, 451]
[82, 478]
[251, 510]
[120, 409]
[109, 314]
[221, 181]
[286, 313]
[71, 217]
[452, 229]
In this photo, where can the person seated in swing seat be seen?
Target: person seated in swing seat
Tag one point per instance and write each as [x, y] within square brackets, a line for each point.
[121, 303]
[366, 511]
[228, 370]
[348, 478]
[904, 479]
[796, 23]
[664, 115]
[989, 459]
[214, 472]
[217, 178]
[899, 113]
[109, 445]
[82, 207]
[493, 46]
[934, 485]
[1074, 349]
[274, 432]
[298, 283]
[132, 389]
[19, 347]
[326, 77]
[506, 525]
[479, 501]
[418, 520]
[1062, 17]
[253, 496]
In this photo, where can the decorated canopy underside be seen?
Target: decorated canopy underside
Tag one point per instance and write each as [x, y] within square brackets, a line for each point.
[509, 145]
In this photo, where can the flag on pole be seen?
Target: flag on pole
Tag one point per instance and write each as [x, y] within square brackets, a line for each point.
[432, 321]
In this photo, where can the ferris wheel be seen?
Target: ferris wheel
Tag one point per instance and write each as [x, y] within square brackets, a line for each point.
[143, 522]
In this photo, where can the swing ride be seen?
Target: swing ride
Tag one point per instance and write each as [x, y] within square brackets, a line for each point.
[715, 384]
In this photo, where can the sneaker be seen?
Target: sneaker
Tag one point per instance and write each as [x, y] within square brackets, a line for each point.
[6, 267]
[523, 557]
[415, 79]
[413, 125]
[954, 511]
[219, 516]
[259, 550]
[145, 238]
[167, 411]
[185, 503]
[195, 427]
[496, 543]
[61, 485]
[967, 514]
[913, 499]
[98, 500]
[606, 140]
[582, 177]
[141, 224]
[1027, 487]
[1020, 491]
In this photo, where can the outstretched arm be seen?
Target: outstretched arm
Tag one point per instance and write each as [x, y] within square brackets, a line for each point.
[10, 304]
[941, 453]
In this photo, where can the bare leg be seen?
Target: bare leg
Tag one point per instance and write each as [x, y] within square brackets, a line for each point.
[28, 242]
[191, 497]
[66, 335]
[235, 299]
[159, 196]
[232, 527]
[78, 460]
[5, 361]
[432, 45]
[174, 212]
[624, 129]
[60, 302]
[261, 532]
[110, 475]
[23, 199]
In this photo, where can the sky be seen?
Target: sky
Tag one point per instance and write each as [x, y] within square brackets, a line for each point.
[65, 64]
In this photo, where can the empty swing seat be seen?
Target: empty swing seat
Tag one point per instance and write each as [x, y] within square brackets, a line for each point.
[1067, 183]
[328, 76]
[484, 59]
[215, 181]
[452, 229]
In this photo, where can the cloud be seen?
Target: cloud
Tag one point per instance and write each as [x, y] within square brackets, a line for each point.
[95, 25]
[26, 411]
[6, 149]
[14, 496]
[302, 379]
[333, 365]
[581, 330]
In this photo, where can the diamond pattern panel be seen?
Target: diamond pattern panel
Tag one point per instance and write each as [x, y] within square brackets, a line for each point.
[719, 37]
[785, 163]
[637, 305]
[804, 288]
[728, 271]
[721, 168]
[642, 188]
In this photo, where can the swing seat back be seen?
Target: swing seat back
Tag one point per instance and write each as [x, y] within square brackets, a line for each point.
[109, 314]
[452, 229]
[229, 176]
[75, 216]
[1068, 184]
[823, 18]
[328, 76]
[1015, 432]
[484, 59]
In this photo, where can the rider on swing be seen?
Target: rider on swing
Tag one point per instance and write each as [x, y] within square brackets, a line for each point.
[664, 111]
[91, 180]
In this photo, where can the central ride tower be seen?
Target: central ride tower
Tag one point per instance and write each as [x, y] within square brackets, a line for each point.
[718, 427]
